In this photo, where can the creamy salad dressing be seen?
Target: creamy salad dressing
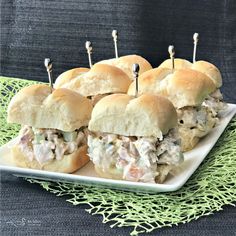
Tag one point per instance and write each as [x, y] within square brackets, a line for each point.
[195, 121]
[135, 157]
[48, 144]
[215, 102]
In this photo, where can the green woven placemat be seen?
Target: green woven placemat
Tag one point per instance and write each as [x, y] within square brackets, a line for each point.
[212, 185]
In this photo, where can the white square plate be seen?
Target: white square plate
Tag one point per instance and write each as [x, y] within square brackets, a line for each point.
[87, 175]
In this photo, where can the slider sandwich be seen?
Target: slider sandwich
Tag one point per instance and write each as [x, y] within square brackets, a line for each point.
[213, 101]
[69, 75]
[186, 89]
[125, 63]
[53, 133]
[134, 139]
[100, 81]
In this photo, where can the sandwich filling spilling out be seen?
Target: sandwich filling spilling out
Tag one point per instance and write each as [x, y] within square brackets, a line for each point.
[45, 145]
[135, 158]
[215, 102]
[194, 123]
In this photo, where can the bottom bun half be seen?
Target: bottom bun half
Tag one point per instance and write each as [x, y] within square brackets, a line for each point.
[191, 137]
[113, 173]
[68, 164]
[188, 143]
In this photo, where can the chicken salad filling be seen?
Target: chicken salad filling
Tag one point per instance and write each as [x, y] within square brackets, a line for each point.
[199, 120]
[45, 145]
[215, 102]
[135, 158]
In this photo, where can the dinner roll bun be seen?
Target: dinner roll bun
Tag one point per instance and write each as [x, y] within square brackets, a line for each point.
[101, 79]
[203, 66]
[187, 87]
[68, 164]
[113, 173]
[210, 70]
[69, 75]
[151, 82]
[184, 87]
[146, 115]
[110, 173]
[179, 64]
[39, 107]
[125, 63]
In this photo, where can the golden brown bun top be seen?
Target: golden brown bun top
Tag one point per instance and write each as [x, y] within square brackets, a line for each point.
[146, 115]
[101, 79]
[187, 87]
[125, 63]
[210, 70]
[184, 87]
[179, 64]
[62, 109]
[151, 82]
[69, 75]
[203, 66]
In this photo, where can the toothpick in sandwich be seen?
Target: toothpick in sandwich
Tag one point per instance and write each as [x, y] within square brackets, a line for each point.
[115, 36]
[88, 46]
[195, 41]
[171, 51]
[135, 74]
[48, 65]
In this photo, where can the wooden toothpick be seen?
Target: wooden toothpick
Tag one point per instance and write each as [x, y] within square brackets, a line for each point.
[48, 65]
[195, 41]
[135, 74]
[115, 36]
[88, 46]
[171, 51]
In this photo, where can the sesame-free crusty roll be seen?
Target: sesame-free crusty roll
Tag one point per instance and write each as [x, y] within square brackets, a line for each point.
[53, 134]
[100, 81]
[187, 89]
[125, 63]
[69, 75]
[134, 138]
